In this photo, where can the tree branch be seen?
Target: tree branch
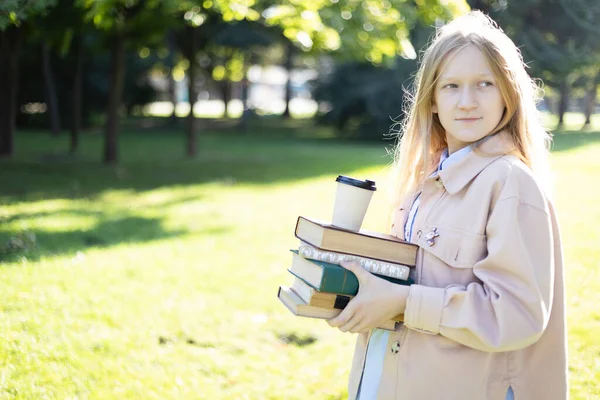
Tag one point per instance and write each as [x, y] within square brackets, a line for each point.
[568, 9]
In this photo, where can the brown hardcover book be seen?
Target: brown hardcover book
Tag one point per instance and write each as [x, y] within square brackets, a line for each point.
[313, 297]
[300, 308]
[379, 246]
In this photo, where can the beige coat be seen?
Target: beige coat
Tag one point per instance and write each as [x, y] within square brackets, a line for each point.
[488, 307]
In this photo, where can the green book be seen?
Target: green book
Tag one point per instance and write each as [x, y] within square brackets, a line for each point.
[330, 278]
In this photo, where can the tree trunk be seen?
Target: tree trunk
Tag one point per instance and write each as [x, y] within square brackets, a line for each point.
[77, 94]
[10, 45]
[50, 89]
[245, 95]
[288, 84]
[225, 85]
[245, 110]
[590, 100]
[171, 80]
[564, 101]
[245, 90]
[115, 94]
[192, 95]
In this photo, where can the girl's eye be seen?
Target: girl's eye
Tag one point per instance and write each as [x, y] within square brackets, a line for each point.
[486, 83]
[450, 86]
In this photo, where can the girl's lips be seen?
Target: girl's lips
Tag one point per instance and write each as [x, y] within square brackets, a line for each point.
[468, 119]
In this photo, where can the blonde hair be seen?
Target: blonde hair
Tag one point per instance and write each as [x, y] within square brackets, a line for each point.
[421, 138]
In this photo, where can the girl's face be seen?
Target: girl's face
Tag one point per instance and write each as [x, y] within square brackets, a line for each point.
[467, 99]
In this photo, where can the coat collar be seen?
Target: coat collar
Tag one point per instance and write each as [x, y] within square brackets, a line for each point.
[459, 174]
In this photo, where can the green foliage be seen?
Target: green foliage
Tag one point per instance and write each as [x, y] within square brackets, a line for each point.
[365, 100]
[137, 90]
[230, 10]
[58, 26]
[14, 12]
[554, 45]
[141, 22]
[377, 31]
[583, 13]
[243, 35]
[301, 23]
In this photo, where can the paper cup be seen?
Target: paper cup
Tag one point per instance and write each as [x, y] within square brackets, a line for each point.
[351, 202]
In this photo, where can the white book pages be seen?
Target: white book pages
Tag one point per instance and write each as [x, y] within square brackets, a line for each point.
[374, 266]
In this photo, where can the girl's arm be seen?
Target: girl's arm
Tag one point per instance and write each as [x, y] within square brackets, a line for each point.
[511, 306]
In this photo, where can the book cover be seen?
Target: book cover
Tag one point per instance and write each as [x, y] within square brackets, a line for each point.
[363, 243]
[319, 299]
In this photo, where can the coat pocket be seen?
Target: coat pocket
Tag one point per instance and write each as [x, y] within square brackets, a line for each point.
[455, 247]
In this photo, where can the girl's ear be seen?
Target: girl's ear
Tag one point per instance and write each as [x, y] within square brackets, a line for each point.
[434, 108]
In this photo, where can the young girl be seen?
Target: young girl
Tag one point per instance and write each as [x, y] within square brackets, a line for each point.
[485, 318]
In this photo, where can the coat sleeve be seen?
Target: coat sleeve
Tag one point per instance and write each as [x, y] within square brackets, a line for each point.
[510, 308]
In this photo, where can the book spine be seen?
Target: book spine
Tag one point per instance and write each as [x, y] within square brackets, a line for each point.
[378, 267]
[338, 280]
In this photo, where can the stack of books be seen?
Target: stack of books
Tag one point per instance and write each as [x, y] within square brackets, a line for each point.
[321, 288]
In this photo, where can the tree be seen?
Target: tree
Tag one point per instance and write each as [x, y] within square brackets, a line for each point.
[593, 82]
[364, 99]
[171, 54]
[15, 16]
[357, 31]
[50, 86]
[557, 38]
[200, 18]
[290, 51]
[585, 14]
[61, 40]
[241, 42]
[125, 23]
[377, 50]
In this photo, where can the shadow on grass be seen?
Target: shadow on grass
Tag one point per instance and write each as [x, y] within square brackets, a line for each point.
[156, 159]
[569, 140]
[106, 233]
[296, 340]
[111, 229]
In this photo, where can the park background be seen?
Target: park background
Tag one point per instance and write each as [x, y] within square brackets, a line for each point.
[141, 244]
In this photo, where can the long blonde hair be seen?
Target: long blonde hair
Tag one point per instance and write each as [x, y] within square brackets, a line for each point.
[421, 137]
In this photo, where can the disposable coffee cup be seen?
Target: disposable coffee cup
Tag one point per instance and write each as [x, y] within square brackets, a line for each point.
[352, 199]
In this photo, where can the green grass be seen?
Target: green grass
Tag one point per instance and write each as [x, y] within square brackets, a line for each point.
[157, 279]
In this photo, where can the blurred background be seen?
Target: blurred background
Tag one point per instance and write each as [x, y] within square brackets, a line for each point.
[154, 157]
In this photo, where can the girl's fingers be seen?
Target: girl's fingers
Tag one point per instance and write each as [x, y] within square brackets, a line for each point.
[350, 325]
[356, 269]
[342, 317]
[359, 328]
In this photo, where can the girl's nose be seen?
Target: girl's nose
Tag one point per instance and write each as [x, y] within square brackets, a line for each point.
[467, 100]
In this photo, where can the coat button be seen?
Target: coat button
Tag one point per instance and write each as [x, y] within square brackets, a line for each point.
[395, 347]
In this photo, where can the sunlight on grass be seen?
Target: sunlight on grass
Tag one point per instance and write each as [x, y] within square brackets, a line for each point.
[57, 223]
[164, 287]
[577, 202]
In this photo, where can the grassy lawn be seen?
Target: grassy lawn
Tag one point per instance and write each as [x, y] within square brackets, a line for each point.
[157, 279]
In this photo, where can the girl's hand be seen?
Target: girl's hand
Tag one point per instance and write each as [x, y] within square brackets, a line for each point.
[377, 301]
